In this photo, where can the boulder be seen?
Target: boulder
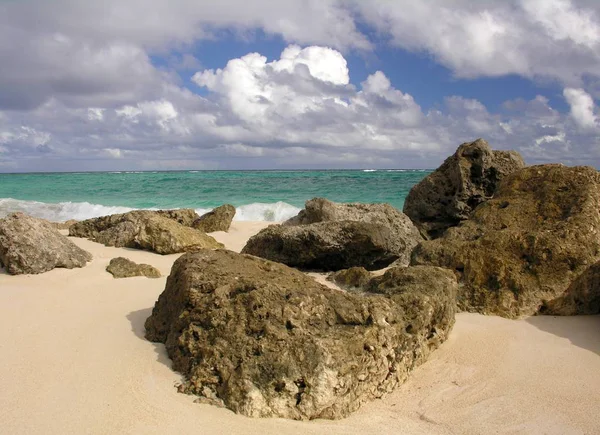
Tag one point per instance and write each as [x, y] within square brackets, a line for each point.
[266, 340]
[448, 195]
[121, 267]
[152, 231]
[350, 279]
[326, 246]
[30, 245]
[582, 296]
[404, 234]
[525, 246]
[218, 219]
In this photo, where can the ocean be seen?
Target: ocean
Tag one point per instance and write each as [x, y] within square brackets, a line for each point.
[257, 195]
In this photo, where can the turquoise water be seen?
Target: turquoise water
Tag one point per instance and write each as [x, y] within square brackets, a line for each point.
[258, 195]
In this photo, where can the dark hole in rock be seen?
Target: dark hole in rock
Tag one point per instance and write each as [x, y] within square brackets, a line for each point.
[279, 386]
[301, 384]
[503, 204]
[288, 325]
[409, 329]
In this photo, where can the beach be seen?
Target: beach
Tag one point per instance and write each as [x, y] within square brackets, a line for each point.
[75, 360]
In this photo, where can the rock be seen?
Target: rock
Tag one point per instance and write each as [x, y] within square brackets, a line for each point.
[268, 341]
[63, 225]
[526, 245]
[448, 195]
[30, 245]
[185, 216]
[218, 219]
[326, 246]
[121, 267]
[582, 296]
[353, 278]
[404, 234]
[143, 229]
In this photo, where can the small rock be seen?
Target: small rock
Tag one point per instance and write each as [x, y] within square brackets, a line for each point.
[121, 267]
[218, 219]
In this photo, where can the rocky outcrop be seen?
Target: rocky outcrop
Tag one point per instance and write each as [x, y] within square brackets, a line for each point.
[63, 225]
[350, 279]
[152, 231]
[404, 235]
[525, 246]
[582, 296]
[266, 340]
[218, 219]
[30, 245]
[331, 245]
[448, 195]
[121, 267]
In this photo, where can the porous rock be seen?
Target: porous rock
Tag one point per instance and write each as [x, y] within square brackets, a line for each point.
[266, 340]
[121, 267]
[352, 278]
[326, 246]
[449, 195]
[582, 296]
[153, 231]
[218, 219]
[404, 235]
[30, 245]
[525, 246]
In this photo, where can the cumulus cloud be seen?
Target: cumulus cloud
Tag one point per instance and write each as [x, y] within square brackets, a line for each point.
[582, 107]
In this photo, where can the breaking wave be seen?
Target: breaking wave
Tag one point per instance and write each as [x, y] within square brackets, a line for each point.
[63, 211]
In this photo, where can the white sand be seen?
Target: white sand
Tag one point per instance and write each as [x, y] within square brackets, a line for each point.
[73, 360]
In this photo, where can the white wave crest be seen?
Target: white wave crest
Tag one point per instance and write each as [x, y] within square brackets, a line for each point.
[59, 212]
[64, 211]
[259, 211]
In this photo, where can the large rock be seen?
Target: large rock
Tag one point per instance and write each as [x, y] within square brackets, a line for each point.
[404, 234]
[153, 231]
[218, 219]
[448, 195]
[331, 245]
[30, 245]
[582, 296]
[268, 341]
[525, 246]
[121, 267]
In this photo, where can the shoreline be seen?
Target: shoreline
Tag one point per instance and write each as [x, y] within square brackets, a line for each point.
[75, 360]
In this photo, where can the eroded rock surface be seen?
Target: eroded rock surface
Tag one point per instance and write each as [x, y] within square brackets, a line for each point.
[330, 245]
[527, 245]
[350, 279]
[159, 232]
[121, 267]
[449, 195]
[30, 245]
[268, 341]
[582, 296]
[218, 219]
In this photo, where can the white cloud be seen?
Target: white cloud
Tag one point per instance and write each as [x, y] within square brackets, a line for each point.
[582, 107]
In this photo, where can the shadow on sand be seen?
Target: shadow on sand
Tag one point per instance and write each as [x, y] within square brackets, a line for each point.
[137, 320]
[582, 331]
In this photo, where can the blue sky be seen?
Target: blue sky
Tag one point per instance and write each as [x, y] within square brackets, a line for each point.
[186, 84]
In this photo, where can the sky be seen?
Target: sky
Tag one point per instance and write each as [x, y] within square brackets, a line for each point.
[290, 84]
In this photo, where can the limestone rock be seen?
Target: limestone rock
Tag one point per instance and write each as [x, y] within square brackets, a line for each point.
[30, 245]
[63, 225]
[448, 195]
[143, 229]
[218, 219]
[404, 235]
[121, 267]
[268, 341]
[330, 245]
[353, 278]
[582, 296]
[526, 245]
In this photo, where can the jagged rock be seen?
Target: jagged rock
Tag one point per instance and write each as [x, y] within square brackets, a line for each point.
[582, 296]
[121, 267]
[218, 219]
[353, 278]
[527, 244]
[268, 341]
[331, 245]
[448, 195]
[30, 245]
[185, 216]
[63, 225]
[404, 234]
[142, 229]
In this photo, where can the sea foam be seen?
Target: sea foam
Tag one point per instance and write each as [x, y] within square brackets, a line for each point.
[63, 211]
